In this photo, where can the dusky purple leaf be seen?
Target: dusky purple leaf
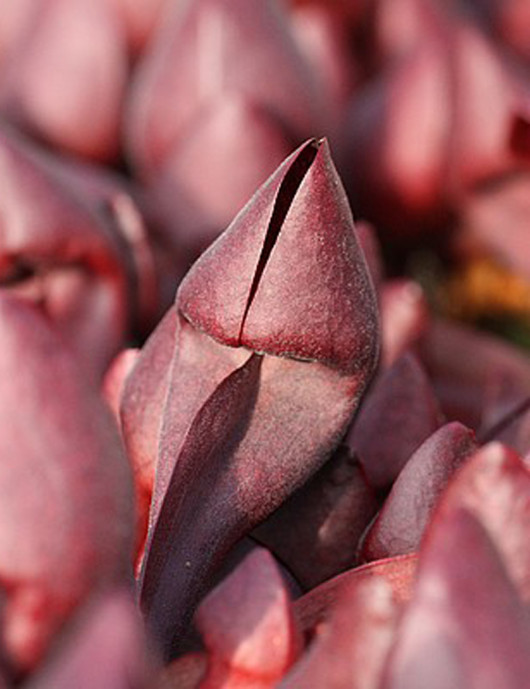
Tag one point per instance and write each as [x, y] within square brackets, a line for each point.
[106, 649]
[465, 626]
[316, 531]
[464, 384]
[66, 509]
[141, 403]
[350, 648]
[398, 414]
[288, 281]
[494, 485]
[210, 442]
[314, 607]
[399, 526]
[242, 620]
[202, 365]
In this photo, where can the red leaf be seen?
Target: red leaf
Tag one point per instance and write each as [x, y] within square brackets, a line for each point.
[495, 487]
[314, 607]
[350, 648]
[248, 627]
[465, 626]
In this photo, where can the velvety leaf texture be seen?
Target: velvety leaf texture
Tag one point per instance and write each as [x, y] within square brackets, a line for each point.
[261, 358]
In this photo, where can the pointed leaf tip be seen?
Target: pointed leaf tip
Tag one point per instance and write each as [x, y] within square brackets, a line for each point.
[245, 618]
[288, 277]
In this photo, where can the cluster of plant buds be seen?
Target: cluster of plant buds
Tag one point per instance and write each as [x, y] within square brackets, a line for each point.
[240, 448]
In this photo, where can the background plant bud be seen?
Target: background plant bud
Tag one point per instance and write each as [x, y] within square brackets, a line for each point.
[464, 385]
[207, 49]
[56, 254]
[140, 19]
[65, 485]
[494, 485]
[192, 203]
[405, 318]
[117, 203]
[84, 37]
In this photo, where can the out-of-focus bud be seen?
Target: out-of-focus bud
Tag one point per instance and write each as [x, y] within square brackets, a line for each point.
[57, 254]
[65, 77]
[66, 526]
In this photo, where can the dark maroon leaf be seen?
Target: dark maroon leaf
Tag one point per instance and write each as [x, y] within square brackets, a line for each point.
[399, 413]
[316, 531]
[399, 526]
